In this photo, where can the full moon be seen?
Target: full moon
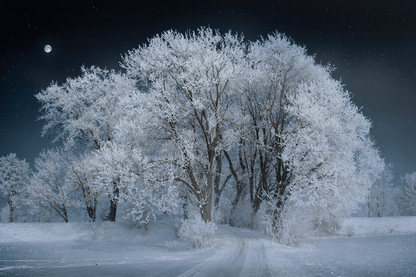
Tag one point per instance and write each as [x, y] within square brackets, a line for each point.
[47, 48]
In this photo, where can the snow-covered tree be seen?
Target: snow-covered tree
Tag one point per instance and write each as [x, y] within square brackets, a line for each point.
[48, 186]
[80, 176]
[277, 67]
[140, 189]
[86, 109]
[380, 199]
[14, 178]
[406, 196]
[304, 143]
[200, 113]
[330, 157]
[192, 80]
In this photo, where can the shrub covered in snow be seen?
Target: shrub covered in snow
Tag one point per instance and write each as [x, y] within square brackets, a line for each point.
[326, 223]
[290, 228]
[349, 230]
[199, 233]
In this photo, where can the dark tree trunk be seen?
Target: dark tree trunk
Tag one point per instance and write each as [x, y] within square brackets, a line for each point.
[11, 211]
[113, 210]
[217, 180]
[239, 183]
[114, 203]
[91, 213]
[91, 208]
[185, 207]
[235, 203]
[65, 214]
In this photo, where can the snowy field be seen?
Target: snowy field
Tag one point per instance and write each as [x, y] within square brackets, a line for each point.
[375, 247]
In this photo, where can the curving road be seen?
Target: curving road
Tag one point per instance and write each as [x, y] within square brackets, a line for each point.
[242, 255]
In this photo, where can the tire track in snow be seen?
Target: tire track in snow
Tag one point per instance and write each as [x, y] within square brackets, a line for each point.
[242, 255]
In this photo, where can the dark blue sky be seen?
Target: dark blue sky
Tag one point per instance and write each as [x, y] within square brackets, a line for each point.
[372, 45]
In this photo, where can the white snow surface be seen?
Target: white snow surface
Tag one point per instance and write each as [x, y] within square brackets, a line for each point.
[379, 247]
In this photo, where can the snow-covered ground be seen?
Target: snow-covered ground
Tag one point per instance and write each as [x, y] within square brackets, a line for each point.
[378, 247]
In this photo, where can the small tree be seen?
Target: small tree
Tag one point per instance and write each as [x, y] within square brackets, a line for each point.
[80, 176]
[142, 188]
[406, 196]
[49, 189]
[380, 199]
[14, 177]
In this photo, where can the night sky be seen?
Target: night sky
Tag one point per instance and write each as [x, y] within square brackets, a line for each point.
[371, 43]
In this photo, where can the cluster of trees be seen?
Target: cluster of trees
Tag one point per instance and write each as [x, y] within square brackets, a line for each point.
[204, 120]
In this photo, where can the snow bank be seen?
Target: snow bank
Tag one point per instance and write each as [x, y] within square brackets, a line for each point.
[49, 232]
[383, 246]
[40, 232]
[368, 226]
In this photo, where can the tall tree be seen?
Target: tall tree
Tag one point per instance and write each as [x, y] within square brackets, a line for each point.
[277, 67]
[330, 156]
[304, 141]
[14, 177]
[192, 80]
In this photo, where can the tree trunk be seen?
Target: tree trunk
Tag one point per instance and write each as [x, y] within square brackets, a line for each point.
[276, 221]
[65, 214]
[256, 202]
[113, 210]
[235, 203]
[91, 213]
[114, 203]
[90, 202]
[185, 206]
[277, 211]
[11, 211]
[382, 202]
[378, 204]
[217, 188]
[206, 212]
[206, 202]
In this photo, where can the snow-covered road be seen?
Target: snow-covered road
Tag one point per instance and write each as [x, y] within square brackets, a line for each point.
[236, 252]
[241, 253]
